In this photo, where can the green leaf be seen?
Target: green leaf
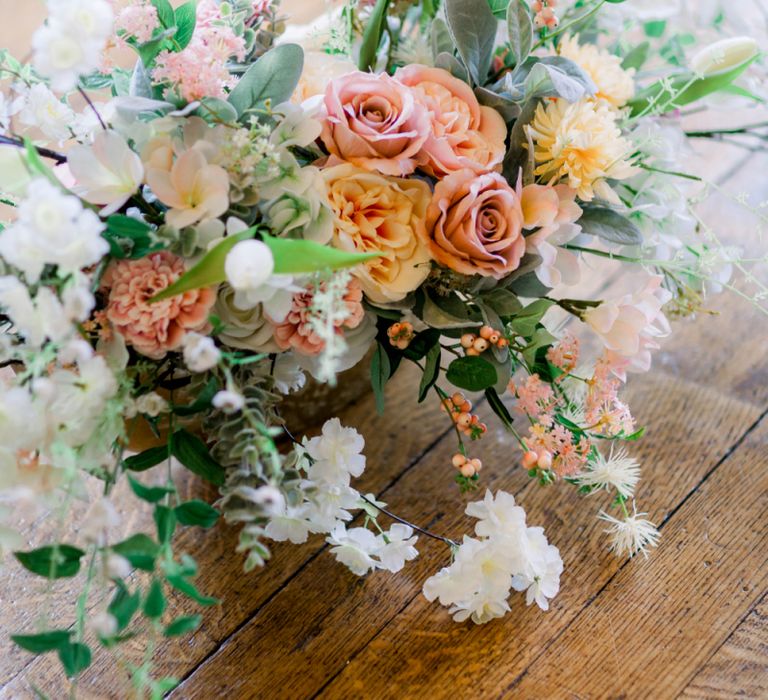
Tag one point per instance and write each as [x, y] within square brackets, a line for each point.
[380, 373]
[610, 226]
[164, 12]
[147, 459]
[214, 109]
[150, 494]
[498, 407]
[124, 606]
[526, 321]
[665, 93]
[36, 165]
[185, 20]
[374, 30]
[165, 521]
[520, 30]
[562, 78]
[499, 7]
[292, 257]
[42, 642]
[447, 312]
[202, 402]
[139, 549]
[188, 589]
[431, 372]
[196, 512]
[155, 602]
[193, 454]
[182, 625]
[655, 28]
[129, 237]
[75, 658]
[52, 561]
[541, 338]
[504, 302]
[272, 78]
[519, 157]
[471, 373]
[637, 57]
[473, 30]
[422, 343]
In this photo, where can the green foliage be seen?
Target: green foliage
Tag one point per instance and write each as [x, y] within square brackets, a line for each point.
[165, 522]
[520, 30]
[380, 374]
[191, 451]
[610, 226]
[372, 34]
[52, 561]
[165, 13]
[637, 57]
[196, 512]
[183, 625]
[446, 312]
[147, 459]
[139, 549]
[183, 585]
[269, 81]
[75, 657]
[150, 494]
[526, 321]
[43, 641]
[498, 407]
[431, 371]
[471, 373]
[185, 20]
[472, 26]
[123, 606]
[655, 28]
[499, 7]
[155, 602]
[129, 237]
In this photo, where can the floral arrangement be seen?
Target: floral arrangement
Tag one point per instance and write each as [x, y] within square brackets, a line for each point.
[211, 226]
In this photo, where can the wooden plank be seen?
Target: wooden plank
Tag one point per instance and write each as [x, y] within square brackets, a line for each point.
[739, 668]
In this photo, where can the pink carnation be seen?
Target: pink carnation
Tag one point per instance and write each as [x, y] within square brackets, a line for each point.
[296, 330]
[154, 329]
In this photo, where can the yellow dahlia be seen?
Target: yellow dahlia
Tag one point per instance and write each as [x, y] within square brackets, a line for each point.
[614, 84]
[579, 143]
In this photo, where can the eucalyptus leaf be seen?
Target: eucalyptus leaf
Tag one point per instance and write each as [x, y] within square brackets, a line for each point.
[504, 302]
[518, 157]
[610, 226]
[520, 30]
[473, 29]
[440, 38]
[546, 80]
[447, 61]
[140, 85]
[273, 78]
[431, 371]
[506, 107]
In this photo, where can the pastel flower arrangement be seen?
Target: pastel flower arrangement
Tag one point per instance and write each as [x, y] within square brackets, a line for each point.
[224, 219]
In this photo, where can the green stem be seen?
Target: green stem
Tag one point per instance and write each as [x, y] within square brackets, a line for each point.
[736, 130]
[686, 176]
[565, 27]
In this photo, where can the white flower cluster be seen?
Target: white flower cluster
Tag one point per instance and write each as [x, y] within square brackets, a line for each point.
[334, 458]
[70, 44]
[505, 555]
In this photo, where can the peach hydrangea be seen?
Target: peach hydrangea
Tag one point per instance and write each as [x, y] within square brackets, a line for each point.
[296, 330]
[153, 329]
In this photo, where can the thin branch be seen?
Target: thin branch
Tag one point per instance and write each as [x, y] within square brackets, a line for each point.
[92, 106]
[44, 152]
[389, 514]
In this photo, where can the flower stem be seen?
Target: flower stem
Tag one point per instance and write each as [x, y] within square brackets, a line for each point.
[45, 152]
[565, 27]
[389, 514]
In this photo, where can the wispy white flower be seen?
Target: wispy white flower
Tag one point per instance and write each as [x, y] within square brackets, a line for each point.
[632, 534]
[200, 352]
[395, 547]
[620, 472]
[354, 548]
[228, 401]
[52, 228]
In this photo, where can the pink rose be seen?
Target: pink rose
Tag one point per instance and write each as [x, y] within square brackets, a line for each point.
[374, 122]
[464, 133]
[474, 224]
[154, 329]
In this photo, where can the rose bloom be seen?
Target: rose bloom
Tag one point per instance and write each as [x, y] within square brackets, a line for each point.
[464, 133]
[296, 331]
[374, 122]
[375, 213]
[154, 329]
[474, 224]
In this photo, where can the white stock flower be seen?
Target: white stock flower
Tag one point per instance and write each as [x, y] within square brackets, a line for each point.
[496, 515]
[291, 524]
[337, 454]
[228, 401]
[43, 110]
[395, 547]
[620, 472]
[200, 352]
[632, 534]
[107, 172]
[328, 505]
[354, 548]
[52, 228]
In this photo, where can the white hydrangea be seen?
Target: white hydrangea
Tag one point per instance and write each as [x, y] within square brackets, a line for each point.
[395, 547]
[506, 555]
[52, 228]
[337, 454]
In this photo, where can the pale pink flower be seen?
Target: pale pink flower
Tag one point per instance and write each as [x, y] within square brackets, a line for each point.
[463, 133]
[296, 330]
[194, 189]
[630, 325]
[107, 172]
[603, 411]
[535, 398]
[154, 328]
[138, 20]
[565, 354]
[374, 122]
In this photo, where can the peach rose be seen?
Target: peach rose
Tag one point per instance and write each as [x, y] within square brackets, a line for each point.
[154, 329]
[474, 224]
[375, 213]
[374, 122]
[464, 133]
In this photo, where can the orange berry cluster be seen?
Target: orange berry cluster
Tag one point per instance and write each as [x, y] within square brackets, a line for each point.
[475, 344]
[400, 334]
[542, 460]
[467, 467]
[460, 410]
